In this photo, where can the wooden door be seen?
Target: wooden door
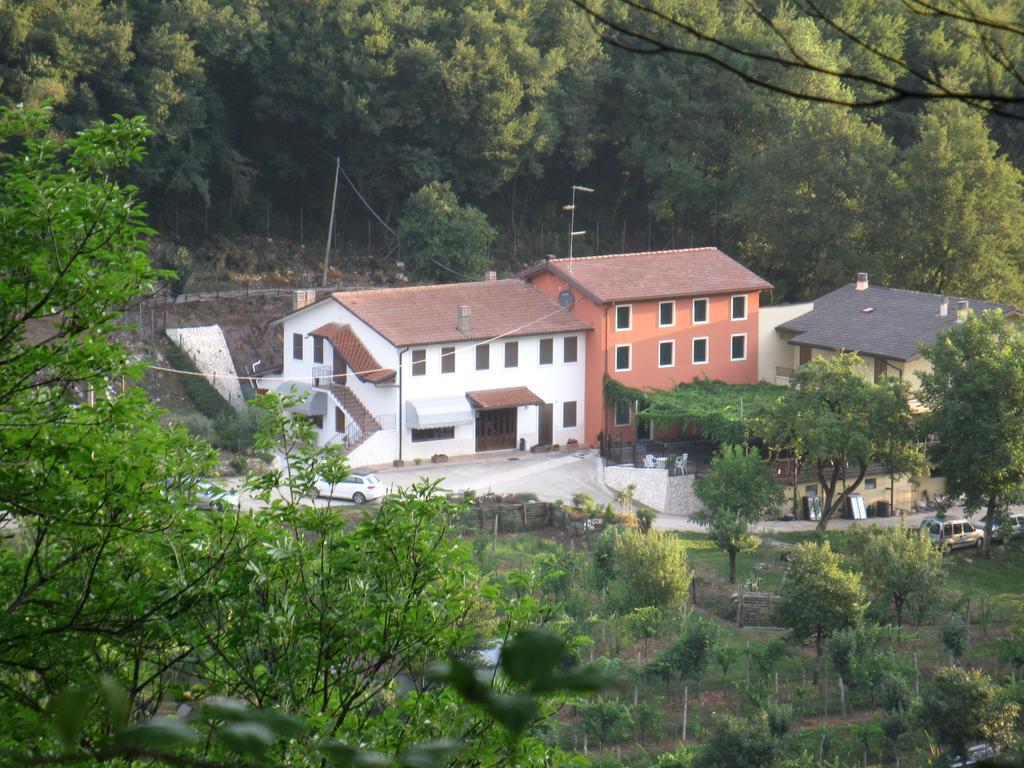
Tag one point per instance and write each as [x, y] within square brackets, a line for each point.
[339, 420]
[881, 367]
[340, 373]
[496, 430]
[805, 355]
[544, 428]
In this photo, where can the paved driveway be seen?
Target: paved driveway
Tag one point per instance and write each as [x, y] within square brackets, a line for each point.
[551, 476]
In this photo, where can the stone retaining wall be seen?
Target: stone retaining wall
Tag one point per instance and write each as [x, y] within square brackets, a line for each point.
[655, 489]
[208, 349]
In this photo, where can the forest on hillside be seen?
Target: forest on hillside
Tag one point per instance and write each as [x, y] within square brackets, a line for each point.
[511, 102]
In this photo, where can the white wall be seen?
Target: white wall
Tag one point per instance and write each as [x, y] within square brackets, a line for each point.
[773, 349]
[556, 384]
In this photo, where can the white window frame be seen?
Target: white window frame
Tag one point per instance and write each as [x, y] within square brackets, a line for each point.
[731, 339]
[616, 360]
[660, 305]
[707, 350]
[615, 416]
[732, 300]
[707, 311]
[624, 306]
[673, 344]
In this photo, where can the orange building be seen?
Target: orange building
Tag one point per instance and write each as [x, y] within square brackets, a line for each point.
[660, 318]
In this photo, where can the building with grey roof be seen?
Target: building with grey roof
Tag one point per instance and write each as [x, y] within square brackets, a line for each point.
[887, 326]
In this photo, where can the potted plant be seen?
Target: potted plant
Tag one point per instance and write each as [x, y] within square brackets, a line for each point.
[439, 458]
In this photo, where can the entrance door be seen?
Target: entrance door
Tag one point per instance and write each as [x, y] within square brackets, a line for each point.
[496, 430]
[339, 419]
[805, 355]
[544, 427]
[340, 373]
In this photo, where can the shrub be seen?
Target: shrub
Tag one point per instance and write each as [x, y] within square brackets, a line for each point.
[197, 425]
[237, 431]
[207, 400]
[608, 721]
[240, 464]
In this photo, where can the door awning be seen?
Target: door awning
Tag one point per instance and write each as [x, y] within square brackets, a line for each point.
[508, 397]
[438, 412]
[314, 402]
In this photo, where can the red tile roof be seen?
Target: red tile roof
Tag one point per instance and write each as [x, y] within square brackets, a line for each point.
[509, 397]
[654, 274]
[358, 357]
[427, 314]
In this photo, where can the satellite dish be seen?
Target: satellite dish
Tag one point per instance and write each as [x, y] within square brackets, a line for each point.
[566, 299]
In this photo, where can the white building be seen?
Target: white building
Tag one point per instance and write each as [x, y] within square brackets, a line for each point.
[406, 373]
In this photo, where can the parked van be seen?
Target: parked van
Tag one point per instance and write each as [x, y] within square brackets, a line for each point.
[952, 534]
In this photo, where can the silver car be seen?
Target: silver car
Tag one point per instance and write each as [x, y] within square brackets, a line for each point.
[952, 534]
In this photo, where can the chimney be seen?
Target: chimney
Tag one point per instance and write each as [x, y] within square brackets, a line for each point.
[463, 319]
[302, 299]
[962, 308]
[490, 276]
[862, 281]
[944, 307]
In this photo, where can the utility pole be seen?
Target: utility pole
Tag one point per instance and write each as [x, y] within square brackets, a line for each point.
[330, 227]
[572, 219]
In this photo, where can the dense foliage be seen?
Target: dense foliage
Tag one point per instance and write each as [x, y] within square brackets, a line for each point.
[512, 102]
[975, 395]
[115, 578]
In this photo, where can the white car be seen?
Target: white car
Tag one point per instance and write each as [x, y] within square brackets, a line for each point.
[358, 487]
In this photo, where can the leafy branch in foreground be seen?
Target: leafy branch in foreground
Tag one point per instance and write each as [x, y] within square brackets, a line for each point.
[535, 663]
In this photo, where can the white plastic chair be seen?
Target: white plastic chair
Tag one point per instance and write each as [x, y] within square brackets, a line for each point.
[649, 461]
[681, 463]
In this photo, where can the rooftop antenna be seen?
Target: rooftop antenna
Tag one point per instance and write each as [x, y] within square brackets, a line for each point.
[572, 219]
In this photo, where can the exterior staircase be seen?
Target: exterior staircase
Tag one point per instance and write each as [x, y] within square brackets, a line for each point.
[363, 425]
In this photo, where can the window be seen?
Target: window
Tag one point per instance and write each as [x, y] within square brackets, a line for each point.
[624, 317]
[700, 311]
[666, 354]
[483, 357]
[738, 346]
[569, 350]
[434, 433]
[547, 351]
[317, 419]
[666, 314]
[810, 490]
[739, 307]
[297, 346]
[622, 414]
[569, 414]
[622, 357]
[700, 350]
[419, 362]
[447, 359]
[870, 484]
[511, 354]
[318, 349]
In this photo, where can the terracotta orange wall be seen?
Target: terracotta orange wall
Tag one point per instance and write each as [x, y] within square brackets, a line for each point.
[596, 357]
[645, 335]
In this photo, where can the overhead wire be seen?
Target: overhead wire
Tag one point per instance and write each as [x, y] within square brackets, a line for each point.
[254, 378]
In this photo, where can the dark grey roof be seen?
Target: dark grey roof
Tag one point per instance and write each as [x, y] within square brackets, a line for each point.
[898, 322]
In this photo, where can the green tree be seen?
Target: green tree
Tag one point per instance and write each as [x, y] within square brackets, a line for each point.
[650, 569]
[900, 563]
[833, 417]
[818, 596]
[442, 240]
[975, 394]
[99, 565]
[733, 741]
[955, 634]
[739, 490]
[967, 205]
[962, 706]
